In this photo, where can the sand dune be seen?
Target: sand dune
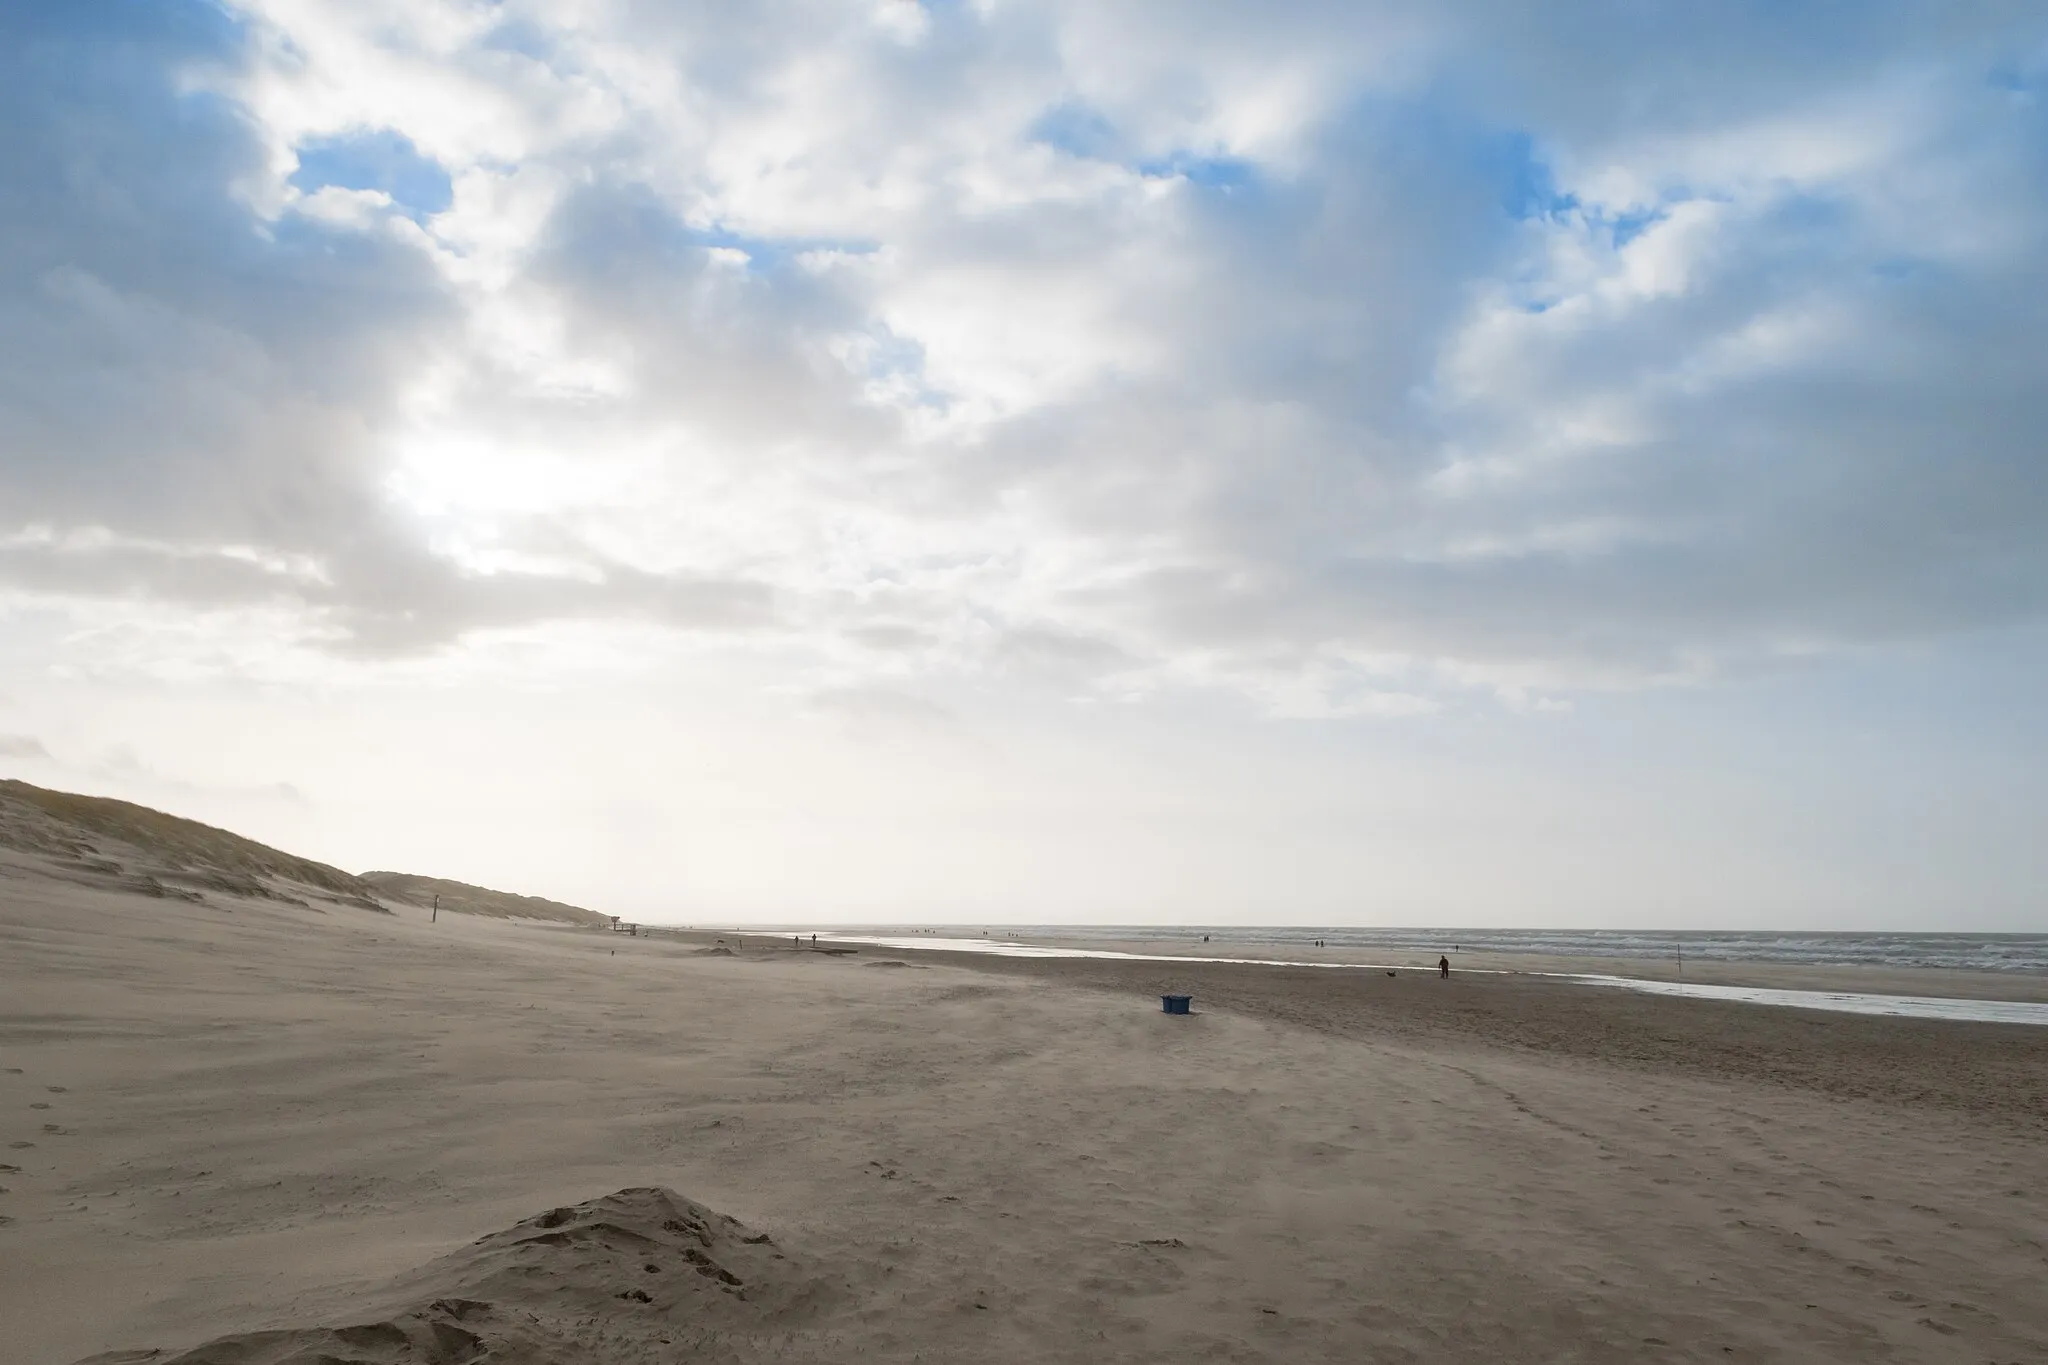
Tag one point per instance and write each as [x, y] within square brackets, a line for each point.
[116, 845]
[645, 1271]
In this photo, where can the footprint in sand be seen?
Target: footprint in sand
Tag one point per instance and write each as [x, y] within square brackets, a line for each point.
[57, 1089]
[39, 1105]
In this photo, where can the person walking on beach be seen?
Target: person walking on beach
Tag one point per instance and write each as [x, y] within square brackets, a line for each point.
[1443, 968]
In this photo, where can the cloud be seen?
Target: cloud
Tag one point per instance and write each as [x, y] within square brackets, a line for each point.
[894, 638]
[22, 746]
[177, 368]
[1341, 358]
[200, 394]
[120, 768]
[881, 710]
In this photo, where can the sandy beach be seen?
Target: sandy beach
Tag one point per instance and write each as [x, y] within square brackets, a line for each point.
[496, 493]
[238, 1116]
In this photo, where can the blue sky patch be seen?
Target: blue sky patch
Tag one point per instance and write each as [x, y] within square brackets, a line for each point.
[1626, 227]
[523, 37]
[1076, 130]
[377, 160]
[1210, 172]
[2016, 79]
[1530, 187]
[1085, 132]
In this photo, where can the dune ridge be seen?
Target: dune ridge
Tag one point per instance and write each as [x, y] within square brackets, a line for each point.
[118, 845]
[114, 845]
[464, 899]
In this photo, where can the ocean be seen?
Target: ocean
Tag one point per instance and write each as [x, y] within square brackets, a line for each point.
[1977, 952]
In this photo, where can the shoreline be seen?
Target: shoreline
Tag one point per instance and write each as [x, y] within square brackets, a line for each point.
[1990, 1071]
[1952, 983]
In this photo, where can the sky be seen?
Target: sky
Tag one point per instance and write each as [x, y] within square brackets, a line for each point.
[1365, 462]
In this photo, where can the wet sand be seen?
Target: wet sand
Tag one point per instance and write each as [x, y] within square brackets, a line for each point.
[262, 1116]
[1997, 1073]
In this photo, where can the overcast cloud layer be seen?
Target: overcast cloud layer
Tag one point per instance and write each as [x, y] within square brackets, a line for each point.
[1320, 360]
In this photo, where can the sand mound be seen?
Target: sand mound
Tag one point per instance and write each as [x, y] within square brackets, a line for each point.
[118, 846]
[714, 952]
[643, 1274]
[892, 962]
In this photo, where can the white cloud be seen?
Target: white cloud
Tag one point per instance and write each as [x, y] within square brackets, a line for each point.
[22, 747]
[1229, 344]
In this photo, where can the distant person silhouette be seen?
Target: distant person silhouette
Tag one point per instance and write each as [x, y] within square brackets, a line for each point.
[1443, 968]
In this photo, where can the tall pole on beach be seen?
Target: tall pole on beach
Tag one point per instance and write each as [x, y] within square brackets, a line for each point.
[1681, 966]
[435, 918]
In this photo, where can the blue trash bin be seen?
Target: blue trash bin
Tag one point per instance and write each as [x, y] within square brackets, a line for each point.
[1176, 1004]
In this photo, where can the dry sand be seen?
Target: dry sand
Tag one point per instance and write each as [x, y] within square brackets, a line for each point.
[266, 1117]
